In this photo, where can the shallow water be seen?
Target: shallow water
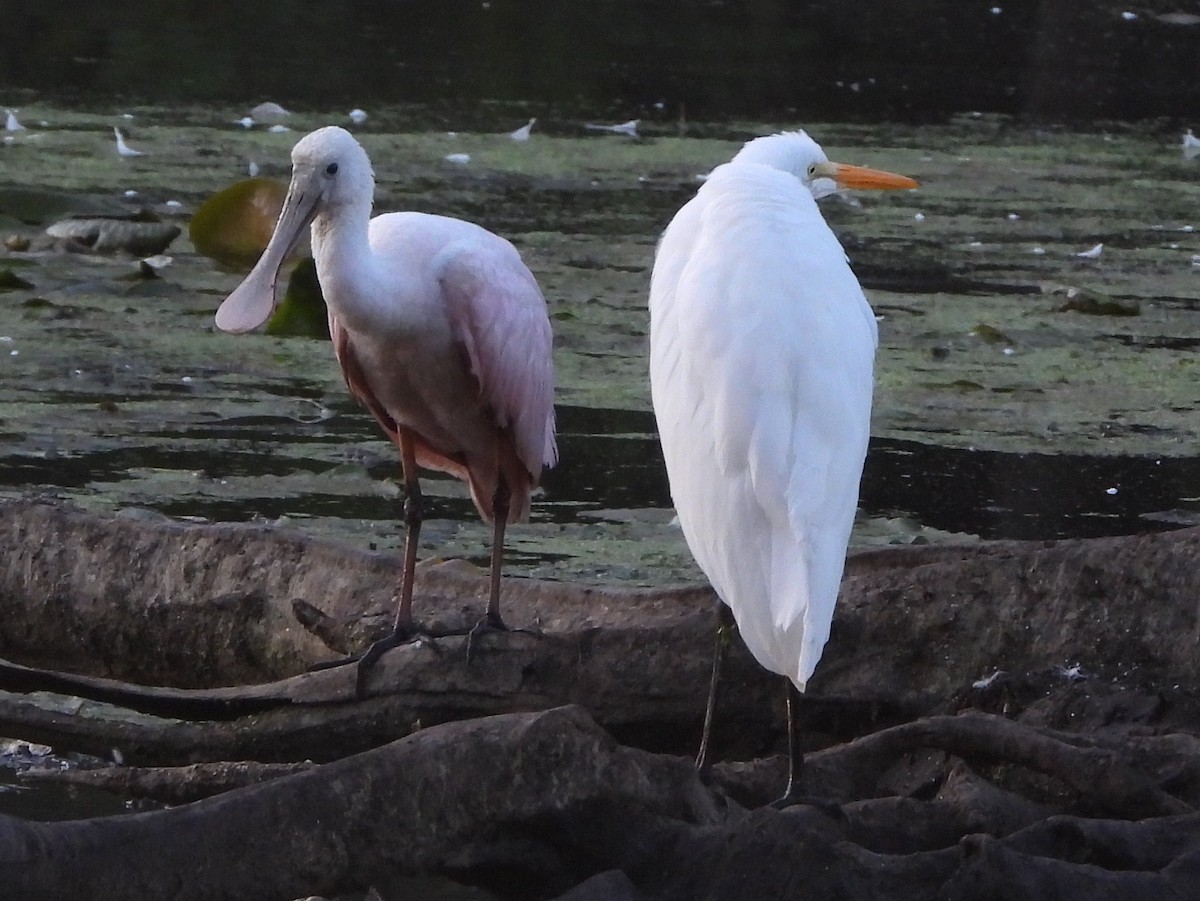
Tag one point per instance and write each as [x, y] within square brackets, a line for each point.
[999, 412]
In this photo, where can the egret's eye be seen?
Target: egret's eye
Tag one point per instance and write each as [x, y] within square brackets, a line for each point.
[812, 170]
[331, 169]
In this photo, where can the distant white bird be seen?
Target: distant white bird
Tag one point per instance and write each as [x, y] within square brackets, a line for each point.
[458, 159]
[1190, 145]
[522, 133]
[11, 123]
[761, 356]
[278, 129]
[245, 122]
[629, 128]
[1092, 253]
[252, 169]
[357, 116]
[124, 149]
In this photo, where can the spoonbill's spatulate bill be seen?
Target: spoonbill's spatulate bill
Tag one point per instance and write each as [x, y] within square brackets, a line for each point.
[761, 354]
[441, 332]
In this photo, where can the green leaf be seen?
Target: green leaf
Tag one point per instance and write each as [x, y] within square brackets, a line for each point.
[234, 225]
[302, 311]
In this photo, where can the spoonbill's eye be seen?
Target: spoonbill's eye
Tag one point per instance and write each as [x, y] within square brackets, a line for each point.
[331, 169]
[812, 170]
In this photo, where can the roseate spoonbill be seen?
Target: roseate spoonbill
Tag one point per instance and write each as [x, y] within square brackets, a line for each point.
[761, 355]
[441, 333]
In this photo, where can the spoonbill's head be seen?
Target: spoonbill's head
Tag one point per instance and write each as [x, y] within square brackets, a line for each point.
[797, 153]
[331, 178]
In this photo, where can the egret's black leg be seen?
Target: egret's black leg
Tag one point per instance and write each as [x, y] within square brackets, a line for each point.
[794, 793]
[725, 627]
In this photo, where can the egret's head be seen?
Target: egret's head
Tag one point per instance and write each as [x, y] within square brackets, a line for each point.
[797, 153]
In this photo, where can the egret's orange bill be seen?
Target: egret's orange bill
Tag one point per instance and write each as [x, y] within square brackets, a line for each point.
[861, 177]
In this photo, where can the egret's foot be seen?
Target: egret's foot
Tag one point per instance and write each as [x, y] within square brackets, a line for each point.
[827, 806]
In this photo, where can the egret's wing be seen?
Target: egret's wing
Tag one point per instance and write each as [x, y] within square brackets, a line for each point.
[761, 356]
[498, 315]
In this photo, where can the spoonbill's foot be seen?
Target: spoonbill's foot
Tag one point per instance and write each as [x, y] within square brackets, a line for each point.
[368, 658]
[491, 622]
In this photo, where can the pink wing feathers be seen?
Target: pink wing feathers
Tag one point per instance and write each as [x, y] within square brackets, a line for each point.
[499, 315]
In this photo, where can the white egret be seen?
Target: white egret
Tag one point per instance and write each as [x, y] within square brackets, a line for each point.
[521, 134]
[761, 355]
[629, 129]
[441, 333]
[11, 122]
[124, 149]
[1190, 144]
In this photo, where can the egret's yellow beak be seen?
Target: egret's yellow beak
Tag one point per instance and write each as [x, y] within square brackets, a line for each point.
[861, 177]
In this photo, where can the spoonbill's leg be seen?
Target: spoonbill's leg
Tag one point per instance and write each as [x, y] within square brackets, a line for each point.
[414, 509]
[725, 627]
[491, 621]
[500, 510]
[402, 626]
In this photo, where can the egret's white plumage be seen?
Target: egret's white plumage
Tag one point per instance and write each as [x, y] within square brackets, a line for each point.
[761, 356]
[762, 347]
[439, 327]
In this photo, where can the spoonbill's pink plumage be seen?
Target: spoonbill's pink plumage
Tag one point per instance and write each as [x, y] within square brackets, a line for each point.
[440, 330]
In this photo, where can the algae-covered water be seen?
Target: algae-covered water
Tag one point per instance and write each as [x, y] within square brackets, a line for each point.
[1023, 390]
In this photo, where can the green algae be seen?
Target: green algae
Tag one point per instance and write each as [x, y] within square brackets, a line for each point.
[124, 393]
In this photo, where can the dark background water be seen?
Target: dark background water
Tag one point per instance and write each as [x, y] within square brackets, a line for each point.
[715, 59]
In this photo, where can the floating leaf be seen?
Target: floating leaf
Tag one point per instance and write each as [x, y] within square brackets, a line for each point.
[234, 225]
[989, 334]
[302, 311]
[10, 281]
[1096, 303]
